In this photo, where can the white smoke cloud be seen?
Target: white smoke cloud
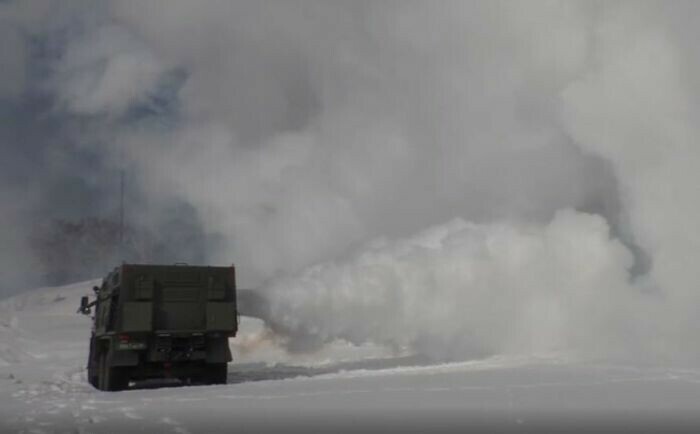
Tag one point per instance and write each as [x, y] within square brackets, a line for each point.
[19, 21]
[310, 127]
[635, 109]
[106, 72]
[304, 129]
[12, 75]
[464, 289]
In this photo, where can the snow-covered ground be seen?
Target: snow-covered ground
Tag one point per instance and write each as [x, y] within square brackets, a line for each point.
[43, 348]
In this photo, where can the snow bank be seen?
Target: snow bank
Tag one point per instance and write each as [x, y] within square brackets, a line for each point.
[29, 320]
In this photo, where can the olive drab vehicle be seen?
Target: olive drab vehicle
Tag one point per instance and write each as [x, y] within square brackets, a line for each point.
[161, 321]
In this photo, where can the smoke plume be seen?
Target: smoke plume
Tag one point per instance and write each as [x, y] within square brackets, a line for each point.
[460, 178]
[463, 289]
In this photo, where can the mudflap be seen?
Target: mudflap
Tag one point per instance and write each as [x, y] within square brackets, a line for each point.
[218, 351]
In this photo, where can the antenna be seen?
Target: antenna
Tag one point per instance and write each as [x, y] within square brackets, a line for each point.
[121, 214]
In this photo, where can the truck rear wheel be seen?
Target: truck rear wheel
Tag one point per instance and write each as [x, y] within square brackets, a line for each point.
[216, 373]
[111, 378]
[93, 380]
[93, 365]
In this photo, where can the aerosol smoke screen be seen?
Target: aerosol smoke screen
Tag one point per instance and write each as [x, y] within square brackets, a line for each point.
[560, 136]
[462, 289]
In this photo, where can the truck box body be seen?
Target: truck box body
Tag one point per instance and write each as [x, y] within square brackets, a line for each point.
[178, 298]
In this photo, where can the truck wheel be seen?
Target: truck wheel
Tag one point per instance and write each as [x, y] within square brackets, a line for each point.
[216, 373]
[116, 379]
[93, 375]
[111, 378]
[101, 368]
[92, 367]
[93, 380]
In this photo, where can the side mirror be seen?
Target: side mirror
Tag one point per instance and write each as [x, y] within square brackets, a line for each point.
[84, 309]
[95, 289]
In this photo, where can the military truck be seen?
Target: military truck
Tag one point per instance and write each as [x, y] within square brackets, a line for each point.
[161, 321]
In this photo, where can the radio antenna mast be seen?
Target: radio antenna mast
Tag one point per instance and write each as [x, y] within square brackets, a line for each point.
[121, 213]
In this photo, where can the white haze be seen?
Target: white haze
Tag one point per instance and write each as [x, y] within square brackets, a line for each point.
[312, 127]
[463, 289]
[563, 131]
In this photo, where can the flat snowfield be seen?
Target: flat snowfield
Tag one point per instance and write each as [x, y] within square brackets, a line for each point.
[43, 388]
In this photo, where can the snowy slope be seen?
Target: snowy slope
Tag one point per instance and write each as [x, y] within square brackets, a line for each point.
[43, 346]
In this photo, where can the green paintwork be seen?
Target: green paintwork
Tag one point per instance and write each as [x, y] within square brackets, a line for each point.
[149, 318]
